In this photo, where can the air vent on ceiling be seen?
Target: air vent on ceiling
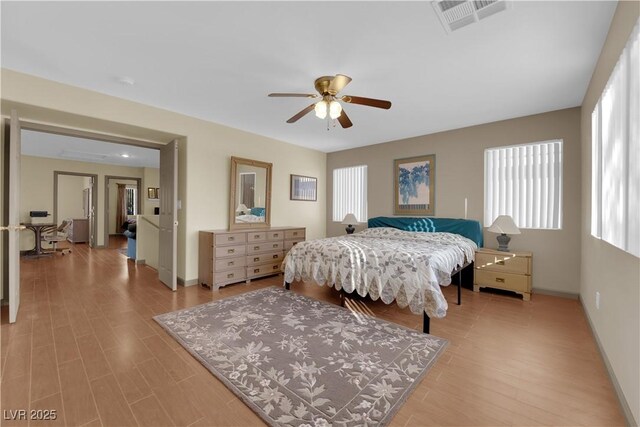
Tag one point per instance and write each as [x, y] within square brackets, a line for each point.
[455, 14]
[81, 155]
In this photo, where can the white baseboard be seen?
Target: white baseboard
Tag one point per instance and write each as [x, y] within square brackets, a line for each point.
[626, 410]
[190, 282]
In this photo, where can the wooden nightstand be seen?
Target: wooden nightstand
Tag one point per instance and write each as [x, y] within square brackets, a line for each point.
[510, 271]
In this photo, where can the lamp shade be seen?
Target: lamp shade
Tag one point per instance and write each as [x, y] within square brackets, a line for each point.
[504, 225]
[350, 219]
[242, 208]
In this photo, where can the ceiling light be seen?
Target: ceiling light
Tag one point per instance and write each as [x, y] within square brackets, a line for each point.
[124, 155]
[126, 80]
[321, 109]
[335, 109]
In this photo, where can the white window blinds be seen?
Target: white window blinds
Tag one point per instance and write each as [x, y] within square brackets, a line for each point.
[350, 193]
[525, 182]
[615, 154]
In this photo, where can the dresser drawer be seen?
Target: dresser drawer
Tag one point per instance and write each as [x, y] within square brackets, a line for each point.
[235, 274]
[275, 235]
[294, 234]
[507, 263]
[229, 239]
[269, 257]
[229, 263]
[264, 247]
[230, 251]
[509, 281]
[256, 236]
[258, 270]
[288, 244]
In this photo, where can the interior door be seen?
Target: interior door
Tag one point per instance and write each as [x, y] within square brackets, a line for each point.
[13, 220]
[168, 239]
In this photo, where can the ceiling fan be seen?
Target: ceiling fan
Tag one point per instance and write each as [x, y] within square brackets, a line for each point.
[328, 88]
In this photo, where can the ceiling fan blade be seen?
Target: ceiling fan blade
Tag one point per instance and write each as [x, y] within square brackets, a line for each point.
[344, 120]
[301, 114]
[370, 102]
[294, 95]
[338, 83]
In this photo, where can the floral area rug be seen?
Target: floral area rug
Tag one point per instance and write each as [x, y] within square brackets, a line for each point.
[301, 362]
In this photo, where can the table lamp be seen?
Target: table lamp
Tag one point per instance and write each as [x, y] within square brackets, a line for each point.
[242, 208]
[349, 220]
[504, 225]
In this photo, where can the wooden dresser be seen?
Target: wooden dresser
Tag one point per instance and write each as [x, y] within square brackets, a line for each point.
[227, 257]
[510, 271]
[78, 231]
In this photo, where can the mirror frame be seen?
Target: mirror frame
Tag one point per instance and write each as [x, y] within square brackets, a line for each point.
[235, 161]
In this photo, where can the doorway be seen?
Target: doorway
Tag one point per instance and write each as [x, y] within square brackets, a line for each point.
[73, 198]
[122, 200]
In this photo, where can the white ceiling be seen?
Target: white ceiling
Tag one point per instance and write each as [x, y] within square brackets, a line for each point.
[53, 146]
[219, 60]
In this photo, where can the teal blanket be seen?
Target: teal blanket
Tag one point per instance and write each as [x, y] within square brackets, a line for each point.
[469, 228]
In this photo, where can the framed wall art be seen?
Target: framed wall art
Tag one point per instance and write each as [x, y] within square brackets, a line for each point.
[414, 185]
[304, 188]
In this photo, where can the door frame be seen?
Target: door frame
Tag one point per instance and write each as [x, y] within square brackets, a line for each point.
[93, 220]
[107, 178]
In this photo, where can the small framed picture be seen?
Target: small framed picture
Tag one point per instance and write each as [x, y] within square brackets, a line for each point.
[304, 188]
[152, 193]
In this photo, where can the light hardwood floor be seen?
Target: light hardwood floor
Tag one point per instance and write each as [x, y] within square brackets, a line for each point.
[85, 345]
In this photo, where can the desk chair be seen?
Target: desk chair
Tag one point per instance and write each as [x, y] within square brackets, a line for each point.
[58, 235]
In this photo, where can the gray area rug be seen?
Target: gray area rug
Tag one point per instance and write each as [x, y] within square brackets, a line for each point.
[301, 362]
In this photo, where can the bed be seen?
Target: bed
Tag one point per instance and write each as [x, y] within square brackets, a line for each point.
[405, 260]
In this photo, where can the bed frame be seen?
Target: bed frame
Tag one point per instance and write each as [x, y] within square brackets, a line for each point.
[470, 229]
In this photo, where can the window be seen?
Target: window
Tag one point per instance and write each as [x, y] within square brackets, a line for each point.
[350, 193]
[615, 172]
[132, 201]
[525, 182]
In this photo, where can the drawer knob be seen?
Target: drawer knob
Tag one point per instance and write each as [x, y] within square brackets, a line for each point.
[275, 245]
[230, 276]
[275, 234]
[256, 236]
[230, 263]
[499, 280]
[256, 259]
[275, 267]
[295, 233]
[231, 238]
[501, 262]
[230, 251]
[256, 248]
[257, 270]
[275, 256]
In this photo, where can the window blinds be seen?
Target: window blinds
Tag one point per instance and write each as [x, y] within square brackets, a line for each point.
[525, 182]
[615, 158]
[350, 193]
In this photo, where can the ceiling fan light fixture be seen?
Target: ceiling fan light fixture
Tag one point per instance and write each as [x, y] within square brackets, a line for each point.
[321, 109]
[335, 109]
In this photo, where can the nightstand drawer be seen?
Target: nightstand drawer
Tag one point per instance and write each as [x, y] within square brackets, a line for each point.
[229, 263]
[270, 257]
[256, 236]
[507, 263]
[229, 239]
[294, 234]
[264, 247]
[509, 281]
[275, 235]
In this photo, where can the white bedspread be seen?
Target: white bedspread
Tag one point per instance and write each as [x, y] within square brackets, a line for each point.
[405, 266]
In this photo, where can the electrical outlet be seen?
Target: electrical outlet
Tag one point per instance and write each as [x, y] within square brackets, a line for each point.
[597, 300]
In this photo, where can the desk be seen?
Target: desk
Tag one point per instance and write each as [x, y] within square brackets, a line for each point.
[38, 228]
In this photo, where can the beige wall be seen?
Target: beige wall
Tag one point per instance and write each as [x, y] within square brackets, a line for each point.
[36, 188]
[460, 174]
[151, 178]
[70, 197]
[205, 149]
[605, 268]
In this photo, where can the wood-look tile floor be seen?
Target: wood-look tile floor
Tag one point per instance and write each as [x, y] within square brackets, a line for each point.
[85, 345]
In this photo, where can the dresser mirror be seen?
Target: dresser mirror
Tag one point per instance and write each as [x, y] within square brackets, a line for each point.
[250, 194]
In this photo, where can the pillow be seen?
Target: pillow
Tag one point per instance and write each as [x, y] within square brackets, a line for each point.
[257, 211]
